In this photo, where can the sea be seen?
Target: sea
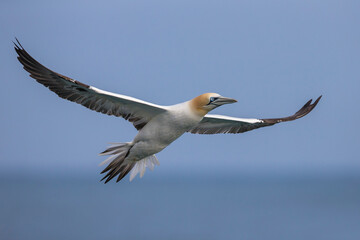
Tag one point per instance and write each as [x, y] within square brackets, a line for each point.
[180, 207]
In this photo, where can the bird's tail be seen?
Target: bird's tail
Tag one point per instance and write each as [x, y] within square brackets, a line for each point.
[140, 166]
[117, 163]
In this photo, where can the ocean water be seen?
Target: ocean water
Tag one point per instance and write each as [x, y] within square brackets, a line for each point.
[180, 208]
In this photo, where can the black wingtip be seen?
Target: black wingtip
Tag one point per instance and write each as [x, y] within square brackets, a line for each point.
[18, 44]
[317, 100]
[307, 103]
[312, 106]
[306, 109]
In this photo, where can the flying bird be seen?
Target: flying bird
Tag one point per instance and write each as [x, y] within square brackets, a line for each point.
[157, 125]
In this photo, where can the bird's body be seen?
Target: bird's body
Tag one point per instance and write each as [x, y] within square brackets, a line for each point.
[158, 125]
[157, 134]
[163, 129]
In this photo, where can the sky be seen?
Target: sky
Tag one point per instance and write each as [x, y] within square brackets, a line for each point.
[272, 56]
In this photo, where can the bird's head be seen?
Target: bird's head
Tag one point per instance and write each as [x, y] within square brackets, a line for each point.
[208, 101]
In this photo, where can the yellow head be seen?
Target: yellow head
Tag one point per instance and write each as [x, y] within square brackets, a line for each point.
[206, 102]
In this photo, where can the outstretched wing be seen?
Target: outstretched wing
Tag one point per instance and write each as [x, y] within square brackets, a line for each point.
[134, 110]
[213, 124]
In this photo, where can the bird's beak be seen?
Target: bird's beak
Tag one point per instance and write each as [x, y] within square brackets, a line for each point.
[224, 100]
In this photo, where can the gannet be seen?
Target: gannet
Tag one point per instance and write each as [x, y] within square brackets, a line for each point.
[157, 125]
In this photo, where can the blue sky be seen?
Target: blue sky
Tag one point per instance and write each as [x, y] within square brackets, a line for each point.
[272, 56]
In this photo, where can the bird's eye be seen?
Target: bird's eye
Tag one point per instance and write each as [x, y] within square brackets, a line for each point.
[212, 99]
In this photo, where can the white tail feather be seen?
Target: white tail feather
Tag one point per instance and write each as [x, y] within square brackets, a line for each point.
[141, 165]
[109, 159]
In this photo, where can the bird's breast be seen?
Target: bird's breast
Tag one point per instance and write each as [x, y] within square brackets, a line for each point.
[167, 127]
[161, 131]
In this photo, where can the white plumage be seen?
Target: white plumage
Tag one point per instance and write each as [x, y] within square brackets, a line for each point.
[157, 125]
